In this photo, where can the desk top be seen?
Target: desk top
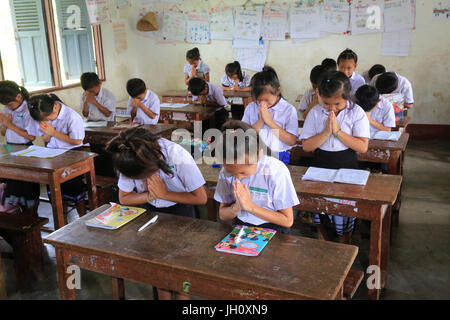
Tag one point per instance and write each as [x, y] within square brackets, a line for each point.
[226, 93]
[66, 159]
[191, 108]
[380, 188]
[400, 144]
[155, 129]
[295, 265]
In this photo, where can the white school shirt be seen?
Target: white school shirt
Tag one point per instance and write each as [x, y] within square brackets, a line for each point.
[352, 120]
[68, 122]
[151, 101]
[270, 187]
[404, 88]
[356, 81]
[284, 115]
[215, 94]
[20, 118]
[186, 175]
[306, 99]
[202, 69]
[366, 77]
[383, 113]
[228, 82]
[107, 99]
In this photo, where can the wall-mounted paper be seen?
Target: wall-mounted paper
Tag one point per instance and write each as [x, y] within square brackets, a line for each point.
[397, 15]
[123, 3]
[197, 28]
[413, 14]
[248, 23]
[274, 23]
[305, 22]
[120, 37]
[396, 43]
[222, 24]
[240, 44]
[335, 16]
[252, 58]
[441, 10]
[98, 11]
[366, 16]
[173, 26]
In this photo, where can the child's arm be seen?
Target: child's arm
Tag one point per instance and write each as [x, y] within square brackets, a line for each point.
[91, 99]
[356, 143]
[206, 77]
[159, 189]
[6, 122]
[313, 103]
[228, 211]
[187, 78]
[133, 198]
[283, 135]
[314, 142]
[49, 130]
[147, 111]
[376, 124]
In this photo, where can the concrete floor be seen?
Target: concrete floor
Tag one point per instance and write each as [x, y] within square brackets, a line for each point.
[419, 260]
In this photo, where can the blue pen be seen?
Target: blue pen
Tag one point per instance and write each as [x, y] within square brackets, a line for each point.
[216, 165]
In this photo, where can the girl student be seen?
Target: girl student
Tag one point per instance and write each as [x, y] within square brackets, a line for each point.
[253, 188]
[163, 173]
[19, 129]
[347, 63]
[195, 68]
[335, 131]
[236, 79]
[270, 115]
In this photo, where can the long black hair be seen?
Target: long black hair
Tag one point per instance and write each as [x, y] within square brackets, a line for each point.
[335, 83]
[9, 91]
[234, 68]
[41, 105]
[265, 81]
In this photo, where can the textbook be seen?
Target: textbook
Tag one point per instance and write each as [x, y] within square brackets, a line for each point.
[115, 217]
[386, 135]
[350, 176]
[39, 152]
[246, 241]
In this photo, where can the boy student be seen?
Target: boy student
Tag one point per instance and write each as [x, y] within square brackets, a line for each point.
[143, 105]
[310, 98]
[97, 102]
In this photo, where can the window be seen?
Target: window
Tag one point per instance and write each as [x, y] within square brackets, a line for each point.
[48, 43]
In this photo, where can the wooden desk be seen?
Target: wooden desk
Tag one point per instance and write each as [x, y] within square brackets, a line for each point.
[2, 281]
[402, 124]
[176, 96]
[179, 249]
[53, 172]
[188, 114]
[372, 202]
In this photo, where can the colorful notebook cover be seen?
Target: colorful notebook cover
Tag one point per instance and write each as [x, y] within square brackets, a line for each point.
[247, 241]
[115, 217]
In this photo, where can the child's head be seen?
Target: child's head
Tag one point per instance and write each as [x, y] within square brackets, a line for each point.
[241, 148]
[44, 107]
[266, 86]
[137, 154]
[136, 88]
[387, 82]
[12, 95]
[347, 62]
[193, 56]
[198, 86]
[329, 64]
[376, 69]
[90, 82]
[335, 90]
[233, 71]
[367, 97]
[316, 75]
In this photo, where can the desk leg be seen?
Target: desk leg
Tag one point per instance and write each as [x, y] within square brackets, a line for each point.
[61, 264]
[212, 210]
[385, 245]
[57, 205]
[2, 282]
[91, 184]
[118, 288]
[375, 251]
[394, 163]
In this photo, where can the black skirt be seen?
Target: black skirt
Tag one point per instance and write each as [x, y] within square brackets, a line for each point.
[179, 209]
[267, 225]
[345, 159]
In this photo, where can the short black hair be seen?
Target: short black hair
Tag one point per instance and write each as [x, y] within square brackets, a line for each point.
[387, 82]
[329, 64]
[135, 87]
[317, 74]
[264, 81]
[193, 54]
[196, 85]
[376, 69]
[367, 97]
[348, 54]
[335, 83]
[89, 80]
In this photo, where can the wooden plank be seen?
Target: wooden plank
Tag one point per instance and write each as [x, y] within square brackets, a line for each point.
[2, 281]
[352, 282]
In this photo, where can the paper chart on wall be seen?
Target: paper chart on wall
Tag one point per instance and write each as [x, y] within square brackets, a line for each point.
[120, 37]
[305, 22]
[197, 28]
[173, 26]
[274, 25]
[252, 58]
[441, 10]
[397, 15]
[222, 24]
[396, 43]
[123, 3]
[247, 24]
[335, 16]
[366, 16]
[98, 11]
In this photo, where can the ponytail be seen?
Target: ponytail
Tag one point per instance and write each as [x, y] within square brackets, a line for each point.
[234, 68]
[265, 81]
[41, 105]
[9, 91]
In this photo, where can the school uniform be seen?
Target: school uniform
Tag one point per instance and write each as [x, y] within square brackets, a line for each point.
[237, 103]
[215, 94]
[202, 69]
[285, 116]
[306, 100]
[356, 81]
[270, 187]
[107, 99]
[21, 192]
[333, 154]
[366, 76]
[383, 113]
[151, 101]
[228, 82]
[186, 178]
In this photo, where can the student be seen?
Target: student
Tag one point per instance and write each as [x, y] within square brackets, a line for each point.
[19, 129]
[207, 93]
[236, 79]
[391, 85]
[97, 102]
[270, 115]
[347, 63]
[310, 98]
[329, 64]
[335, 131]
[143, 105]
[158, 174]
[372, 72]
[195, 68]
[253, 188]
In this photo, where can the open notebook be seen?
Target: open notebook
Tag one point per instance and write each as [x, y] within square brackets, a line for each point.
[386, 135]
[173, 105]
[350, 176]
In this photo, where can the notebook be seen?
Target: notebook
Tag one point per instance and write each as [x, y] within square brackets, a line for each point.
[39, 152]
[173, 105]
[95, 124]
[350, 176]
[246, 241]
[115, 217]
[386, 135]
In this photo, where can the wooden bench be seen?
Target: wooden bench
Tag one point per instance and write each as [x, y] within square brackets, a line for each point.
[2, 282]
[352, 282]
[106, 189]
[23, 233]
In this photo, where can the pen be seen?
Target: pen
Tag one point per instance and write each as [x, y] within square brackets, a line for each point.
[151, 221]
[238, 238]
